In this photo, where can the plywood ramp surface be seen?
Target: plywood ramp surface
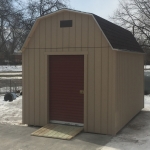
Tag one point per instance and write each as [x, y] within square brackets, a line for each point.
[58, 131]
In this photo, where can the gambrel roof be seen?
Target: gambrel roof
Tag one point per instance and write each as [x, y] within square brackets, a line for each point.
[118, 37]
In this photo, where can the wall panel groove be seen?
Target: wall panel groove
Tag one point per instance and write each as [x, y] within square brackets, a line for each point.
[105, 100]
[37, 76]
[129, 81]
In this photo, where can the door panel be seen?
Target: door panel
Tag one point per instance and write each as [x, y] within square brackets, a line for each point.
[66, 88]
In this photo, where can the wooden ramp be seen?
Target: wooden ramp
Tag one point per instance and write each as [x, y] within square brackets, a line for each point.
[58, 131]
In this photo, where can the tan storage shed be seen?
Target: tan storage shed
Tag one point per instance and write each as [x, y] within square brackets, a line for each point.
[80, 68]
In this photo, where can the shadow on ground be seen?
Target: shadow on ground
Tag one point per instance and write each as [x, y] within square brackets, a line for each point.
[135, 135]
[19, 138]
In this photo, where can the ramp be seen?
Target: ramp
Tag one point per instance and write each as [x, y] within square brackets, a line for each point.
[58, 131]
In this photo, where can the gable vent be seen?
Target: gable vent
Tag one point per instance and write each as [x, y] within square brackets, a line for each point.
[65, 23]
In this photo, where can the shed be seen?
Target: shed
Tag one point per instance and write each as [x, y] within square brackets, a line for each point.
[81, 69]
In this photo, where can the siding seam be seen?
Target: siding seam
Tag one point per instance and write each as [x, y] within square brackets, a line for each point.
[51, 32]
[75, 31]
[56, 31]
[45, 72]
[108, 109]
[81, 32]
[69, 35]
[101, 89]
[62, 34]
[87, 82]
[39, 75]
[34, 76]
[94, 80]
[28, 88]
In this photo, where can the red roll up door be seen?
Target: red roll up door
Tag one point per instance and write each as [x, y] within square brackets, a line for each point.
[66, 83]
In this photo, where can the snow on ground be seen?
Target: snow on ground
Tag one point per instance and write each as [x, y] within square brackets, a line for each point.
[11, 112]
[10, 68]
[147, 67]
[10, 73]
[147, 103]
[10, 78]
[135, 136]
[4, 90]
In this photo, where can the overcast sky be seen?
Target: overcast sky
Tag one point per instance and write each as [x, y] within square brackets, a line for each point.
[102, 8]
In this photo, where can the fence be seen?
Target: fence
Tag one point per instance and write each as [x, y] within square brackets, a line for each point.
[11, 60]
[10, 85]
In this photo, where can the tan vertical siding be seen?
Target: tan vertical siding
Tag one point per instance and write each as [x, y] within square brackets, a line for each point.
[31, 87]
[25, 88]
[98, 37]
[31, 81]
[104, 103]
[78, 34]
[85, 32]
[48, 37]
[98, 89]
[72, 32]
[98, 77]
[47, 109]
[91, 88]
[54, 31]
[65, 33]
[129, 87]
[59, 33]
[113, 91]
[110, 91]
[37, 76]
[91, 76]
[43, 108]
[85, 93]
[23, 84]
[85, 35]
[91, 40]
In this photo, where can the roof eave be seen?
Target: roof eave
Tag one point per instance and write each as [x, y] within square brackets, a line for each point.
[128, 51]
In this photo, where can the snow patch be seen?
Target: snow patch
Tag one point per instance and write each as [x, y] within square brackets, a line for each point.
[10, 68]
[11, 112]
[4, 78]
[147, 103]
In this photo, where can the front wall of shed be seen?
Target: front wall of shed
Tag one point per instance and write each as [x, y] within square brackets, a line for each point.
[130, 87]
[84, 36]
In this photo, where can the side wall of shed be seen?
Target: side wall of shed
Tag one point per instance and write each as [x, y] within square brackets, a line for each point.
[83, 36]
[129, 87]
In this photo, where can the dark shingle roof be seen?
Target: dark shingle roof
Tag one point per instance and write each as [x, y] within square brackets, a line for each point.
[118, 37]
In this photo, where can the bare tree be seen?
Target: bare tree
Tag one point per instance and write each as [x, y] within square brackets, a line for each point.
[5, 11]
[10, 26]
[17, 18]
[134, 15]
[38, 8]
